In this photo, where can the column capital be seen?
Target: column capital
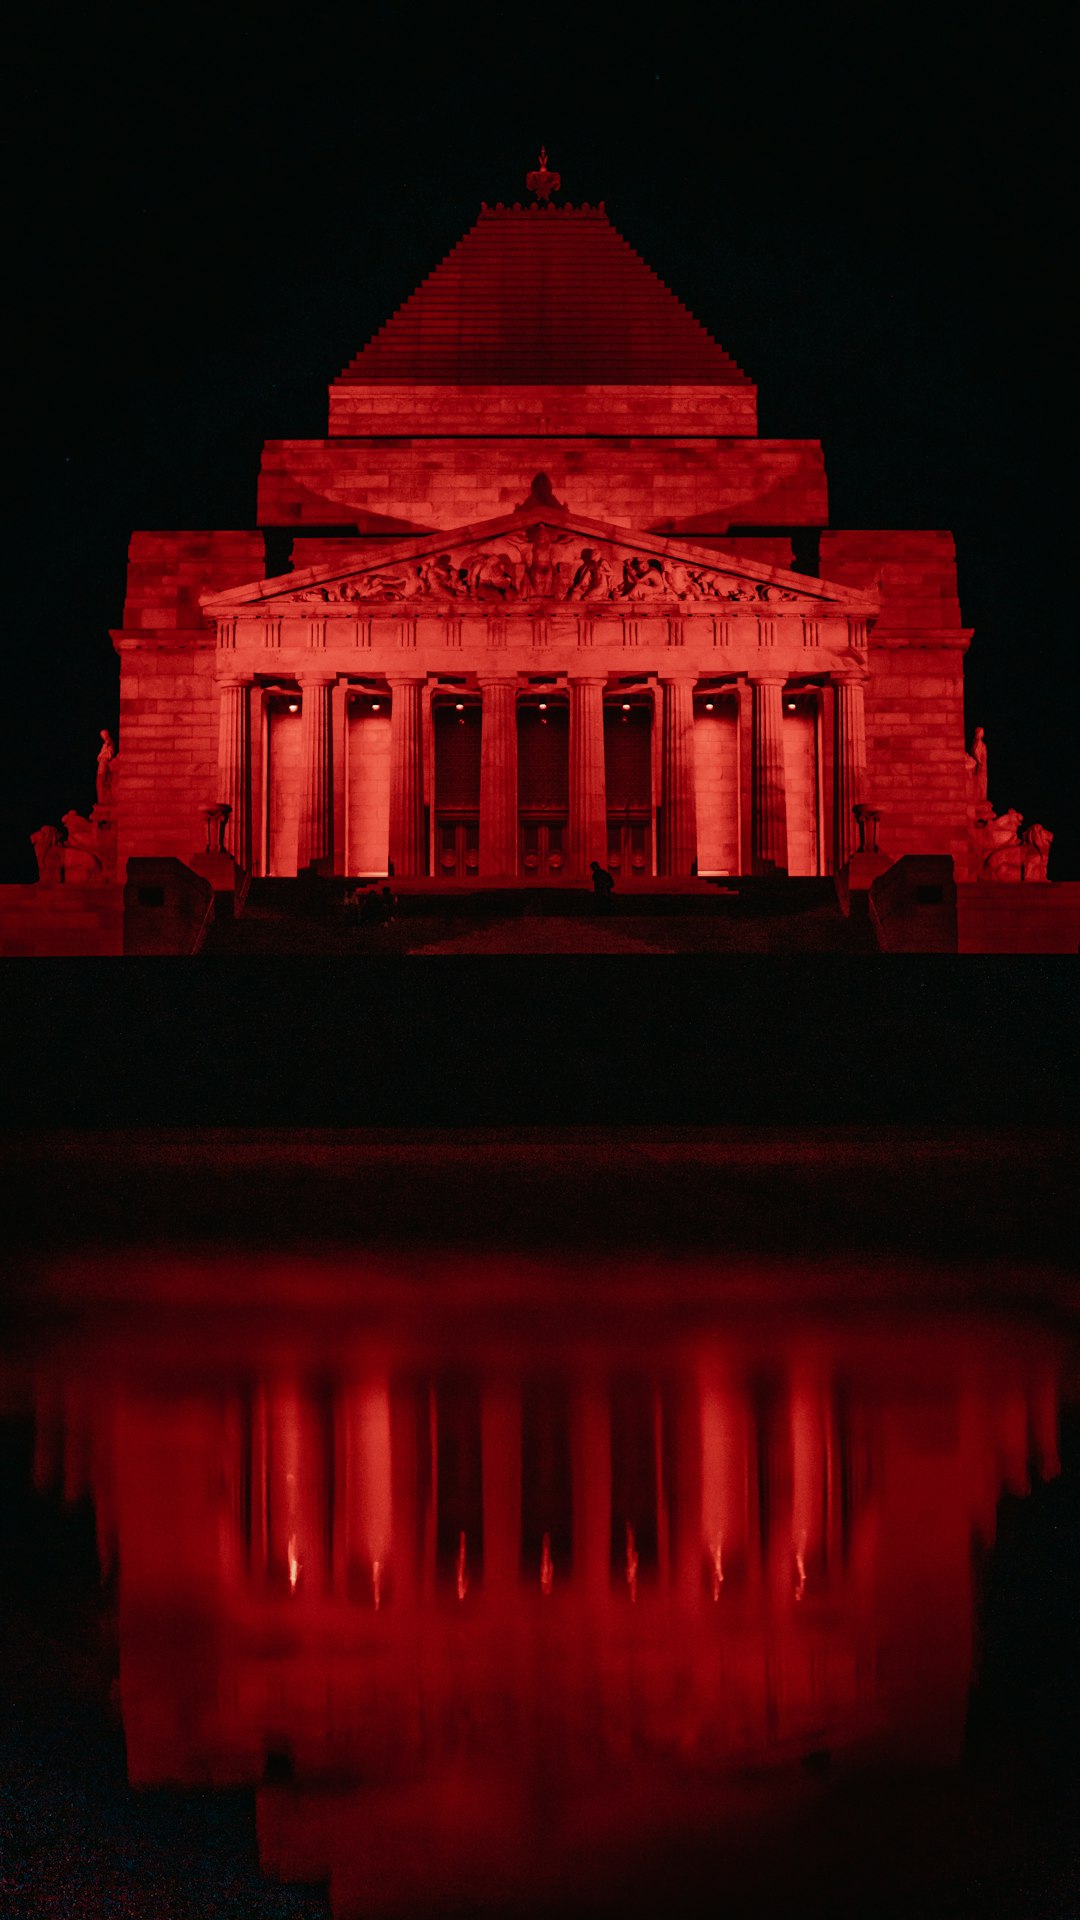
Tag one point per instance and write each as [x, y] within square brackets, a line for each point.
[768, 678]
[494, 679]
[678, 676]
[316, 679]
[229, 681]
[849, 677]
[405, 679]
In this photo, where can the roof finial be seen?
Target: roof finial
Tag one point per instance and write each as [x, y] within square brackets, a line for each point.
[540, 181]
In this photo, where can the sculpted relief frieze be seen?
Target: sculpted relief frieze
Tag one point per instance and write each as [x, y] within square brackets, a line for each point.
[538, 566]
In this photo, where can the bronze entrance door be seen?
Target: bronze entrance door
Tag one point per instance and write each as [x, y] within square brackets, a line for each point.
[628, 721]
[456, 828]
[629, 847]
[543, 786]
[457, 846]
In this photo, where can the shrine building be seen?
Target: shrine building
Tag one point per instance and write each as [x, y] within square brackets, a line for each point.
[542, 601]
[551, 599]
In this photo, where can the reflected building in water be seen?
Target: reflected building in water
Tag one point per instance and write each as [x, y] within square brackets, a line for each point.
[487, 1619]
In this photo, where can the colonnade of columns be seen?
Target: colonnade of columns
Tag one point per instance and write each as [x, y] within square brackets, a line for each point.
[737, 1496]
[677, 839]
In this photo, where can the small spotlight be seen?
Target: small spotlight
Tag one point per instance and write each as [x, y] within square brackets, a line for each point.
[294, 706]
[543, 706]
[791, 706]
[375, 706]
[708, 706]
[459, 706]
[626, 706]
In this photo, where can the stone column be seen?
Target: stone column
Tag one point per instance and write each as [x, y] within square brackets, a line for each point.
[317, 782]
[849, 763]
[234, 766]
[498, 777]
[768, 800]
[588, 795]
[408, 851]
[678, 787]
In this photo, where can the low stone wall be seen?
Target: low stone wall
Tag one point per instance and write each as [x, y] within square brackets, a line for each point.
[60, 921]
[912, 906]
[167, 907]
[1034, 916]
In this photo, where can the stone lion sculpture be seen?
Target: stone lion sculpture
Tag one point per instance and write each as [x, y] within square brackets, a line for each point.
[1011, 855]
[48, 845]
[82, 861]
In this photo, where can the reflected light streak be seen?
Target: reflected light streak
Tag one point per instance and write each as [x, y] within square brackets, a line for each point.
[547, 1567]
[800, 1566]
[631, 1562]
[462, 1570]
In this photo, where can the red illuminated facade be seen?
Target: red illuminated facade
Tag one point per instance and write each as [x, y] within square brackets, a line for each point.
[551, 599]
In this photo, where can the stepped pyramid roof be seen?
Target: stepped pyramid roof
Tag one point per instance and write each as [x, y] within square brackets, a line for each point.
[544, 295]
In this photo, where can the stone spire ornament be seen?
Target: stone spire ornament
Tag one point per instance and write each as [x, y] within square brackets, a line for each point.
[541, 181]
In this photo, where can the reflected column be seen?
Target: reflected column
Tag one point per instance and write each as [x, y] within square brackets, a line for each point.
[367, 1487]
[296, 1487]
[500, 1454]
[591, 1469]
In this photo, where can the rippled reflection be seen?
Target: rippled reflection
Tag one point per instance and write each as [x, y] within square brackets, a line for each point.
[477, 1623]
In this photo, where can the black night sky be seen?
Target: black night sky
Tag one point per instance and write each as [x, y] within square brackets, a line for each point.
[215, 210]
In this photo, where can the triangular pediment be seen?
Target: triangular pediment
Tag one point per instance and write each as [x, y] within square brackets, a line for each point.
[545, 556]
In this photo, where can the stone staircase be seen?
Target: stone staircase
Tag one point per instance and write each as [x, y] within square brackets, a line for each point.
[307, 916]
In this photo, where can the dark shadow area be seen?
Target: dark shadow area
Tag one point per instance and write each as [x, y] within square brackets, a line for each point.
[563, 1042]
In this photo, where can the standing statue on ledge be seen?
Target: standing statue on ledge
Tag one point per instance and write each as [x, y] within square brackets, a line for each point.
[976, 761]
[106, 756]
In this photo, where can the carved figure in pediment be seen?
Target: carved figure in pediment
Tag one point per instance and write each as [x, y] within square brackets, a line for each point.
[48, 845]
[705, 585]
[441, 576]
[740, 593]
[491, 576]
[643, 576]
[593, 579]
[542, 570]
[380, 586]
